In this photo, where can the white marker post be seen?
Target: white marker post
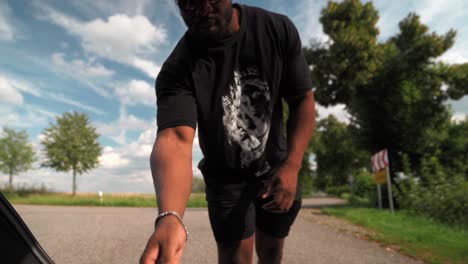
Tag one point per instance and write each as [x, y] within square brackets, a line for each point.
[100, 196]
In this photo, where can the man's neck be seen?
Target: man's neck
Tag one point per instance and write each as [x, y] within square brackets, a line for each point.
[234, 26]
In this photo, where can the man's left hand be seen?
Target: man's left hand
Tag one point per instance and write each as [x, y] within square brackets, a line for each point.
[282, 188]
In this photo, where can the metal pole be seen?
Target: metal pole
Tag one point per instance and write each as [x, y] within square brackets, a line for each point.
[379, 194]
[389, 187]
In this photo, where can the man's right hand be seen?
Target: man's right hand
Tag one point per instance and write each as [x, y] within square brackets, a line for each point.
[166, 244]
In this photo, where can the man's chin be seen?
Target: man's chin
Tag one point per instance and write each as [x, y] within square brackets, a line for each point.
[209, 33]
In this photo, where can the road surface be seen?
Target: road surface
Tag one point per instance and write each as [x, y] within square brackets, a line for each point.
[119, 235]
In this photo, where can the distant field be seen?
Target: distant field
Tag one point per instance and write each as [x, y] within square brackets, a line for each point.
[415, 235]
[86, 199]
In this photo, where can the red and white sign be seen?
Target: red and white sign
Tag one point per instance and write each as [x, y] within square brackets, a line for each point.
[379, 160]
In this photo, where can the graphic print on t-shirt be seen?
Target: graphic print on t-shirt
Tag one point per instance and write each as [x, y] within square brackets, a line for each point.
[247, 114]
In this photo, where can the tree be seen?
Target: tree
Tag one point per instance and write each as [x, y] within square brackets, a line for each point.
[16, 154]
[71, 144]
[394, 90]
[336, 153]
[454, 149]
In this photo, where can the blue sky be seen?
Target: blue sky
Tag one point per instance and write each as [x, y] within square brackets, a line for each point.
[102, 57]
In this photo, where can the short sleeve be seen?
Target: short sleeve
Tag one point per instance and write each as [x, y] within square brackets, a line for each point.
[296, 78]
[176, 104]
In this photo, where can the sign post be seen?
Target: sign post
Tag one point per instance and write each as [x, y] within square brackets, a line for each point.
[389, 187]
[379, 196]
[381, 169]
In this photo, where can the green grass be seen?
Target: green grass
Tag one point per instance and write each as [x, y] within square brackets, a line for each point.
[415, 235]
[127, 200]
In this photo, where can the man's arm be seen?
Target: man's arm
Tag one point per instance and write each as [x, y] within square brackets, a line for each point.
[171, 167]
[300, 127]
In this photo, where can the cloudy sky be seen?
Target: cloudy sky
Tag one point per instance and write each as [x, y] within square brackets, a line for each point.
[102, 58]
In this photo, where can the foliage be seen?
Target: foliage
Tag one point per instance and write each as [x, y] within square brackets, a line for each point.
[454, 149]
[16, 154]
[305, 176]
[336, 152]
[71, 144]
[363, 185]
[434, 194]
[338, 190]
[393, 89]
[25, 190]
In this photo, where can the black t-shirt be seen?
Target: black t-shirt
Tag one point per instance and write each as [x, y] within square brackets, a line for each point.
[233, 89]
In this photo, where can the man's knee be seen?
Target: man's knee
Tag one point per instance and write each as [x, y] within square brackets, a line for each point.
[269, 249]
[236, 252]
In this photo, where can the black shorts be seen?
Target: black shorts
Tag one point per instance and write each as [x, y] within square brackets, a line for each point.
[235, 209]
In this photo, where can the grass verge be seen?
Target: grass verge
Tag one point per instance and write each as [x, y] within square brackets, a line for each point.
[127, 200]
[414, 235]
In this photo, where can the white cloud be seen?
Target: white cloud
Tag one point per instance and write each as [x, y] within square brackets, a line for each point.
[63, 99]
[141, 148]
[85, 68]
[120, 37]
[136, 92]
[339, 111]
[459, 117]
[134, 7]
[111, 159]
[117, 130]
[455, 56]
[9, 83]
[148, 67]
[307, 21]
[433, 10]
[25, 116]
[7, 31]
[8, 94]
[11, 89]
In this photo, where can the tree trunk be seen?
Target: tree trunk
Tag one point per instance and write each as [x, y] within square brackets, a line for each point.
[11, 179]
[74, 181]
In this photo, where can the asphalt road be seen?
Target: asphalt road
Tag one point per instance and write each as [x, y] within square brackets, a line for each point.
[119, 235]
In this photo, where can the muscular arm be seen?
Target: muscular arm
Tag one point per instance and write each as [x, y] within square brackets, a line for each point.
[171, 167]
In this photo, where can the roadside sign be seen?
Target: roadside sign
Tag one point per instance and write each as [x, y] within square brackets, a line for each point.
[380, 177]
[381, 169]
[380, 161]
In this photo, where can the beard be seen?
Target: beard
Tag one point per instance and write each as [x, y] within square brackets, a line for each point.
[209, 28]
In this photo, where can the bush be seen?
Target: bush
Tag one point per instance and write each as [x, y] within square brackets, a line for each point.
[363, 186]
[25, 190]
[363, 189]
[338, 190]
[435, 194]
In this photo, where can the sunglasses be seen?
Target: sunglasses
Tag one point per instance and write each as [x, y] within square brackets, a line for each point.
[192, 5]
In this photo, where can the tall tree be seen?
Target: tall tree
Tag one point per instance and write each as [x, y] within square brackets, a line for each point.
[71, 144]
[395, 90]
[16, 154]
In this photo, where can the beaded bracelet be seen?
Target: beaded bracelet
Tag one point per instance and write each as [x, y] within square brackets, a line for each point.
[174, 213]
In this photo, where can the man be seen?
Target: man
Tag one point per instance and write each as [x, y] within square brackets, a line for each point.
[228, 74]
